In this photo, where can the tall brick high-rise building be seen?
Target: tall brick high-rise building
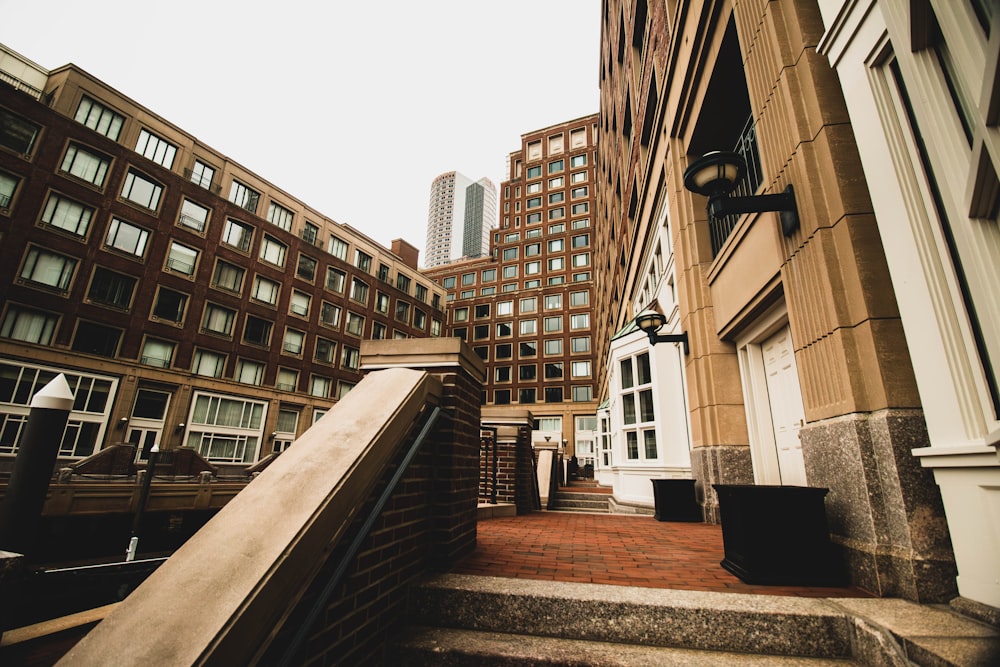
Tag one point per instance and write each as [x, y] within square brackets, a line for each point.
[526, 308]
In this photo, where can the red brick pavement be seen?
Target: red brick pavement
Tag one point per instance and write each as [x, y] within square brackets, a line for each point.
[622, 550]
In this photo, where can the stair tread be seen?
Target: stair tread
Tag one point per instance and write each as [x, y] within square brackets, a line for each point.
[479, 647]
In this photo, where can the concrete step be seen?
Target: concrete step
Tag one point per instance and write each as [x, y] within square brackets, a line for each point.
[693, 620]
[468, 648]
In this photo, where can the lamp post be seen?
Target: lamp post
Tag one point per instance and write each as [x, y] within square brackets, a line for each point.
[650, 322]
[716, 174]
[147, 480]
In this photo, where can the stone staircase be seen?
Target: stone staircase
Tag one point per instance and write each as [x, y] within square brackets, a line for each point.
[459, 620]
[467, 620]
[581, 496]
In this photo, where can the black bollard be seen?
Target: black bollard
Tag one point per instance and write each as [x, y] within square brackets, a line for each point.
[36, 458]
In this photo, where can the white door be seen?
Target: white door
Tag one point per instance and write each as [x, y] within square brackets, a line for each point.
[785, 400]
[146, 424]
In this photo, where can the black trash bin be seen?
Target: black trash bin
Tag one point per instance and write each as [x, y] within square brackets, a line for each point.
[675, 500]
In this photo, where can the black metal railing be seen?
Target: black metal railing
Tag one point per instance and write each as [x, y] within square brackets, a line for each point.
[746, 147]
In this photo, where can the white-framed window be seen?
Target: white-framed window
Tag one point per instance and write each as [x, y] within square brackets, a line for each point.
[86, 165]
[273, 251]
[99, 118]
[583, 393]
[67, 214]
[126, 237]
[181, 259]
[140, 190]
[202, 174]
[193, 216]
[265, 290]
[579, 344]
[580, 369]
[637, 409]
[157, 149]
[553, 301]
[93, 398]
[338, 247]
[279, 216]
[8, 186]
[285, 429]
[48, 269]
[244, 196]
[238, 235]
[226, 428]
[553, 323]
[579, 321]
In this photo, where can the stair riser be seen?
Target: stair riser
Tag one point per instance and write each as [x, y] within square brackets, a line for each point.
[659, 625]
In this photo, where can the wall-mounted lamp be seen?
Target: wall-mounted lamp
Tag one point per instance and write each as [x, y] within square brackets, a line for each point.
[179, 428]
[122, 422]
[716, 174]
[273, 435]
[650, 322]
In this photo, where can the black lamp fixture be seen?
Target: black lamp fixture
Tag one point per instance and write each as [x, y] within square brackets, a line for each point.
[716, 174]
[650, 322]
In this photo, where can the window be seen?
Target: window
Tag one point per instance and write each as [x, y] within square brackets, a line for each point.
[218, 319]
[580, 369]
[355, 324]
[553, 346]
[98, 339]
[489, 275]
[156, 149]
[580, 344]
[265, 290]
[273, 251]
[66, 214]
[503, 351]
[403, 283]
[226, 428]
[534, 202]
[582, 393]
[140, 190]
[528, 305]
[8, 185]
[578, 161]
[533, 218]
[363, 261]
[249, 372]
[556, 213]
[338, 248]
[638, 414]
[532, 268]
[421, 293]
[579, 321]
[49, 269]
[527, 372]
[279, 216]
[553, 302]
[335, 279]
[286, 427]
[419, 319]
[237, 235]
[580, 209]
[193, 216]
[526, 395]
[582, 223]
[329, 314]
[181, 259]
[99, 118]
[501, 374]
[85, 165]
[202, 174]
[534, 172]
[534, 188]
[528, 348]
[158, 353]
[556, 165]
[481, 331]
[343, 388]
[583, 259]
[557, 228]
[435, 327]
[228, 277]
[504, 329]
[170, 305]
[449, 282]
[325, 351]
[578, 177]
[557, 264]
[111, 289]
[299, 303]
[556, 197]
[555, 280]
[532, 284]
[287, 379]
[28, 325]
[554, 370]
[580, 277]
[578, 298]
[505, 308]
[350, 358]
[556, 182]
[482, 310]
[320, 386]
[379, 331]
[310, 233]
[257, 331]
[359, 291]
[553, 394]
[306, 269]
[469, 279]
[244, 196]
[208, 363]
[553, 323]
[382, 302]
[501, 397]
[294, 341]
[461, 314]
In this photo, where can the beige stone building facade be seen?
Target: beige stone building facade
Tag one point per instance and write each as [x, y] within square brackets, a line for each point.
[798, 372]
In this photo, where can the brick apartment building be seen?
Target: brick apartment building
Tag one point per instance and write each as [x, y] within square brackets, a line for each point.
[527, 308]
[187, 300]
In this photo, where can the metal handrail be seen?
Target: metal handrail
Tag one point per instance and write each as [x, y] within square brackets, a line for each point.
[338, 574]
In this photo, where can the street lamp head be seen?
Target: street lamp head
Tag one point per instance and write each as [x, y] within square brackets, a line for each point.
[715, 173]
[650, 321]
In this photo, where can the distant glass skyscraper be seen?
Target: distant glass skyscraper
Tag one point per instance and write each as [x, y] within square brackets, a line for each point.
[459, 218]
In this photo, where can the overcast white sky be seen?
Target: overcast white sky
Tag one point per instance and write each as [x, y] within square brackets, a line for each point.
[352, 107]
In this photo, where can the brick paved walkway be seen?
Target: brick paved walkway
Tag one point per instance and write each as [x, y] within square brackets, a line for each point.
[616, 549]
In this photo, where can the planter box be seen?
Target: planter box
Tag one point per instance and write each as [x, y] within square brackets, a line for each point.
[675, 500]
[778, 535]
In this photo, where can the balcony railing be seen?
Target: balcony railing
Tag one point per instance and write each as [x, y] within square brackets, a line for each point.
[746, 147]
